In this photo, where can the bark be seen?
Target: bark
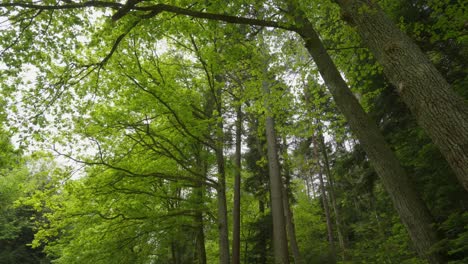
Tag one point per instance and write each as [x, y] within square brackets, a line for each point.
[411, 209]
[437, 108]
[280, 241]
[237, 182]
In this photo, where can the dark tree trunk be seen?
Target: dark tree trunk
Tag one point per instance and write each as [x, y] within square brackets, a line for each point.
[236, 211]
[263, 240]
[222, 204]
[200, 240]
[411, 209]
[437, 108]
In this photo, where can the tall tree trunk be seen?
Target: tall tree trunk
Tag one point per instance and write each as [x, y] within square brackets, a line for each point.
[280, 241]
[410, 207]
[199, 193]
[263, 240]
[326, 208]
[331, 191]
[437, 108]
[224, 257]
[290, 227]
[200, 240]
[236, 211]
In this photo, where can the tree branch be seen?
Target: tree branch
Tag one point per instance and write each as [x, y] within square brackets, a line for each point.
[154, 10]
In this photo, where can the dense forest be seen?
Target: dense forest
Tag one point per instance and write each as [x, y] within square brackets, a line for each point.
[296, 131]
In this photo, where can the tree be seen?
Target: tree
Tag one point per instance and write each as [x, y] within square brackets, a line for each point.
[439, 110]
[410, 207]
[20, 177]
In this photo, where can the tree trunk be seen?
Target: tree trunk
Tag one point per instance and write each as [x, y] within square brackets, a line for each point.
[331, 191]
[326, 208]
[263, 240]
[437, 108]
[291, 230]
[223, 229]
[280, 241]
[408, 204]
[236, 211]
[200, 240]
[222, 204]
[199, 193]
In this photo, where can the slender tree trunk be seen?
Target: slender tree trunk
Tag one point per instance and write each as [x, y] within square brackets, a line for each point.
[280, 241]
[437, 108]
[410, 207]
[314, 193]
[307, 187]
[290, 227]
[263, 241]
[326, 208]
[237, 187]
[331, 240]
[223, 229]
[331, 191]
[200, 244]
[222, 204]
[199, 192]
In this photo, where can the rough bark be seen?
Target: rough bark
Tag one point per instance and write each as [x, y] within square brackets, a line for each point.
[411, 209]
[437, 108]
[280, 241]
[236, 211]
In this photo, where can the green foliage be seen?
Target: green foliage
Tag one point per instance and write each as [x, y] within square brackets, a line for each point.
[311, 227]
[19, 178]
[141, 102]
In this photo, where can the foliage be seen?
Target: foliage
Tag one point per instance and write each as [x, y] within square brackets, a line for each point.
[146, 104]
